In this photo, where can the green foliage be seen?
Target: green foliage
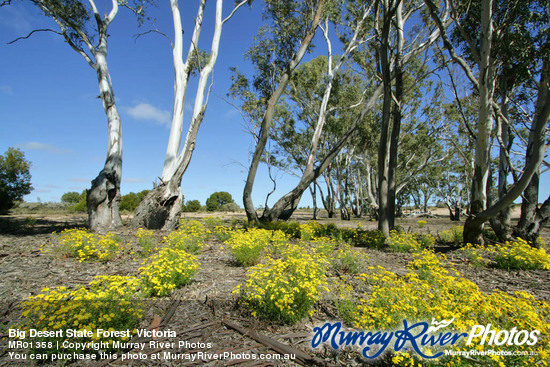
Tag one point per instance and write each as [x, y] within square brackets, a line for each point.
[82, 205]
[15, 178]
[348, 260]
[230, 207]
[217, 200]
[452, 236]
[291, 229]
[191, 206]
[146, 241]
[130, 202]
[71, 197]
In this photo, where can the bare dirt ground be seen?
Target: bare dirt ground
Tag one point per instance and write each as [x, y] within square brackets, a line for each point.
[206, 311]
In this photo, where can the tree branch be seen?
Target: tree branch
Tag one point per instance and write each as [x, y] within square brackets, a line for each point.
[154, 31]
[35, 31]
[234, 10]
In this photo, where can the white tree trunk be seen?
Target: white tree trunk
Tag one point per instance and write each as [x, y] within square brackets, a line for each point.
[162, 206]
[104, 196]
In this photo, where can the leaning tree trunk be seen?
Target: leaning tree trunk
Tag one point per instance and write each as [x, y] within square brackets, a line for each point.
[267, 119]
[536, 150]
[532, 217]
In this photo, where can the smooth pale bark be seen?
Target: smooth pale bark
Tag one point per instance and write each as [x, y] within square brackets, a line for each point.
[103, 198]
[482, 155]
[161, 208]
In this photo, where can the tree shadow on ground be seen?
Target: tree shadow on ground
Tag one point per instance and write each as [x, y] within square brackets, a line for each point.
[18, 225]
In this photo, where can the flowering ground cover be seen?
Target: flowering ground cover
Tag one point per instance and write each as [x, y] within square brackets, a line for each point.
[284, 281]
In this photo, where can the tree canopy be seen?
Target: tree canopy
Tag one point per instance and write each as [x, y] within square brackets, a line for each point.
[15, 178]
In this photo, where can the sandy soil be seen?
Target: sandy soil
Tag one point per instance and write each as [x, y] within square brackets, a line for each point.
[204, 311]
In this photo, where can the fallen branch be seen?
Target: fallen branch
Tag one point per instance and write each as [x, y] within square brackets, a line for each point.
[301, 358]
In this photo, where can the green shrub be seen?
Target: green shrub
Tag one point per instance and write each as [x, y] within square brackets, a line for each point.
[452, 236]
[191, 206]
[217, 200]
[146, 241]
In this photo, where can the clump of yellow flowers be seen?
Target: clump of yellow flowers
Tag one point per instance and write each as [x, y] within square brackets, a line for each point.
[146, 241]
[190, 236]
[247, 246]
[518, 254]
[429, 291]
[167, 270]
[108, 303]
[83, 245]
[408, 242]
[286, 288]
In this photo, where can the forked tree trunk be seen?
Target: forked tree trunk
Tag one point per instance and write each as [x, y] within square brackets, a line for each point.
[267, 121]
[161, 208]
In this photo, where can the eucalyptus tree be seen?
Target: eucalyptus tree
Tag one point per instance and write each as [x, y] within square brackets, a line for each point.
[89, 38]
[394, 51]
[529, 20]
[279, 50]
[161, 208]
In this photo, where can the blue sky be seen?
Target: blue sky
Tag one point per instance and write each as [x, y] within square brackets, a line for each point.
[49, 106]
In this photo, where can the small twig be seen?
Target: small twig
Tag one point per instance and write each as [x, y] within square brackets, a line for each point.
[34, 31]
[153, 31]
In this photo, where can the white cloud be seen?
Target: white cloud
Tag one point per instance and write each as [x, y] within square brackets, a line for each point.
[33, 145]
[148, 112]
[6, 89]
